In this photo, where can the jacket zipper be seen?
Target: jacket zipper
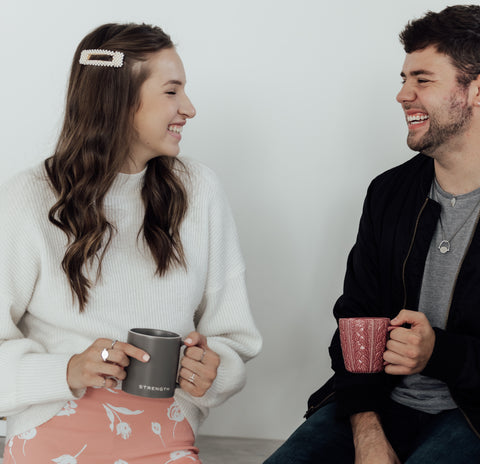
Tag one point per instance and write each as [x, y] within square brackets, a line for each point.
[409, 251]
[312, 409]
[475, 431]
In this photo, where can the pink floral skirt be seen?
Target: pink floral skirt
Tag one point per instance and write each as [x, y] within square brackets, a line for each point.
[108, 427]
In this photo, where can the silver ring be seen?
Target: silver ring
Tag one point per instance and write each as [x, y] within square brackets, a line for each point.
[113, 344]
[192, 378]
[203, 355]
[105, 354]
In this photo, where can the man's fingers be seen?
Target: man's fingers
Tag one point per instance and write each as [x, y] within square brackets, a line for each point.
[406, 316]
[397, 369]
[400, 334]
[395, 346]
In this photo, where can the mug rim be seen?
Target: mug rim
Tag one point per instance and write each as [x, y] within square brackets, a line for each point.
[165, 333]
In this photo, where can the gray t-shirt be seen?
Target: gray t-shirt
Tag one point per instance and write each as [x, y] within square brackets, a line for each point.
[458, 218]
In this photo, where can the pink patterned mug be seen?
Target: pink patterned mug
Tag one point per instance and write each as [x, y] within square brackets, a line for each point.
[363, 341]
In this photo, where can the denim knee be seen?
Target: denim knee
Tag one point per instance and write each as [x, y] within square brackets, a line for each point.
[448, 440]
[321, 438]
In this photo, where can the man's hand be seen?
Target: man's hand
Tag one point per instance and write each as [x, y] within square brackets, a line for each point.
[409, 350]
[371, 444]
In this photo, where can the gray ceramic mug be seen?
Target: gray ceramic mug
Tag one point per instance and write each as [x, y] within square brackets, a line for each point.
[156, 378]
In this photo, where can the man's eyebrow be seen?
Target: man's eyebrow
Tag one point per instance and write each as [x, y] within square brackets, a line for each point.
[419, 72]
[174, 82]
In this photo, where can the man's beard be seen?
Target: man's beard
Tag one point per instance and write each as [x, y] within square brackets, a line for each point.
[460, 115]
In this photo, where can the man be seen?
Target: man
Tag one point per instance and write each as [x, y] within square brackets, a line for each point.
[417, 261]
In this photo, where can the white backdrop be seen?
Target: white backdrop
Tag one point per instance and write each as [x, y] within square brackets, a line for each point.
[296, 112]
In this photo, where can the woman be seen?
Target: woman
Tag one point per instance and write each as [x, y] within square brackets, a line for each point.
[114, 232]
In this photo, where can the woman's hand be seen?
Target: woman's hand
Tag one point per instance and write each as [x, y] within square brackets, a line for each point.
[199, 365]
[88, 369]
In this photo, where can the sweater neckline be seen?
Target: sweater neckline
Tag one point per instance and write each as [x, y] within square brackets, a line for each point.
[127, 184]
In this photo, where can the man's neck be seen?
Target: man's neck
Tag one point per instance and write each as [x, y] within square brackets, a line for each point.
[457, 168]
[459, 174]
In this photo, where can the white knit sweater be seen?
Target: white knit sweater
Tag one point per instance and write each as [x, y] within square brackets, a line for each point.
[40, 323]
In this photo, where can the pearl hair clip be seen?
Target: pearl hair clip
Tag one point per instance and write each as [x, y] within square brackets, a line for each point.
[89, 58]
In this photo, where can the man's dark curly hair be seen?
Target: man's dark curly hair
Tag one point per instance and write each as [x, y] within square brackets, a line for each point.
[455, 32]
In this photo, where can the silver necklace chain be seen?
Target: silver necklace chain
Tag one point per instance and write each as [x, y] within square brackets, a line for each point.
[444, 245]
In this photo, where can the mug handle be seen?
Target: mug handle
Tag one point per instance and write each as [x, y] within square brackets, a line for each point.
[182, 343]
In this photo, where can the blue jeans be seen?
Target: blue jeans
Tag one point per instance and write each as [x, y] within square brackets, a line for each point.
[417, 438]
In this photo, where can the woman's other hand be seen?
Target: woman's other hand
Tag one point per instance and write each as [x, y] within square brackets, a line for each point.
[89, 369]
[198, 366]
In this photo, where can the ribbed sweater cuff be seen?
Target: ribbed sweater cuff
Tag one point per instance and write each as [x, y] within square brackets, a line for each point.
[231, 377]
[42, 378]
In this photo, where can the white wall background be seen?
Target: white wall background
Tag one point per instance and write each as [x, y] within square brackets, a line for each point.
[296, 113]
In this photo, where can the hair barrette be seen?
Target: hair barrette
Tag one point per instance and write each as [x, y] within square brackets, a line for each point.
[101, 58]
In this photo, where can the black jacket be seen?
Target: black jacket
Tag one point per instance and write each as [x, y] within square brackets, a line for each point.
[384, 275]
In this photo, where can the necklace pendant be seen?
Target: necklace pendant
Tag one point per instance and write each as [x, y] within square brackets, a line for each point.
[444, 246]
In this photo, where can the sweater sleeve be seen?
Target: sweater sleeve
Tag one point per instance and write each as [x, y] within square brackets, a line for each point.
[224, 315]
[29, 374]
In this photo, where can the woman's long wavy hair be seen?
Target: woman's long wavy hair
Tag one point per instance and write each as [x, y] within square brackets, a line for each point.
[94, 146]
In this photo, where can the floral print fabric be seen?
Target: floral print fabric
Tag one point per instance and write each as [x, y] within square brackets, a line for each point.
[109, 427]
